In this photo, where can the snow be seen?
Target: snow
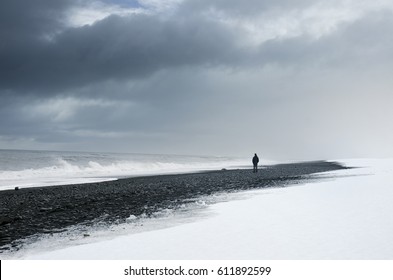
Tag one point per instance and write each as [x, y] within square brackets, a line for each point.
[345, 215]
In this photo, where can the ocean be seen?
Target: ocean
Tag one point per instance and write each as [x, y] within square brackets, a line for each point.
[23, 168]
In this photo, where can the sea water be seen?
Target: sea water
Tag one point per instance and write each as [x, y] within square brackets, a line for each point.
[22, 168]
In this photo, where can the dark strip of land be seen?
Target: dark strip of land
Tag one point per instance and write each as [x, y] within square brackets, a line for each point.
[45, 210]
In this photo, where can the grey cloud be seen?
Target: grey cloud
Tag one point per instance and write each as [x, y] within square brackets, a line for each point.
[114, 48]
[23, 28]
[27, 19]
[358, 43]
[123, 48]
[134, 47]
[241, 8]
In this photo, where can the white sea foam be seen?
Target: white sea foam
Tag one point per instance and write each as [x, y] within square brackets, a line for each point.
[31, 168]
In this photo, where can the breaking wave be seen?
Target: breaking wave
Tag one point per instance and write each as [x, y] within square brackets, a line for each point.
[55, 168]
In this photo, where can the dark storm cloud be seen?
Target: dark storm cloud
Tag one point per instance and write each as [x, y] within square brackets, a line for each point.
[41, 55]
[26, 20]
[36, 58]
[23, 27]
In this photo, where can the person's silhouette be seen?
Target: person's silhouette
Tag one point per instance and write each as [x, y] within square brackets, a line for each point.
[255, 161]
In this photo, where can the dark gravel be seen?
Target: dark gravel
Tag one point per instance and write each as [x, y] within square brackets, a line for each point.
[47, 210]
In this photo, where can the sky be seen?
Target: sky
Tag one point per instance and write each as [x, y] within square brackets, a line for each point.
[284, 79]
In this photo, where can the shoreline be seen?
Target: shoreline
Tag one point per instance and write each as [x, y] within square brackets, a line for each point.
[46, 210]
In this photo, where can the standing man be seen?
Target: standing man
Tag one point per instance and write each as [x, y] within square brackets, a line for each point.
[255, 161]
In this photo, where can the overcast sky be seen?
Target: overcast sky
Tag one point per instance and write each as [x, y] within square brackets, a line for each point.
[286, 79]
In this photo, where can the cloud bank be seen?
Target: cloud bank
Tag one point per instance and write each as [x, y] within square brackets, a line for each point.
[304, 80]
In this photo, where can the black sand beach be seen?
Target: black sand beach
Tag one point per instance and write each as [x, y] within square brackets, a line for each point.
[50, 209]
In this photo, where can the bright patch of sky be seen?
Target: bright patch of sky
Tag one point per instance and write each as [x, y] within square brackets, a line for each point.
[313, 21]
[92, 11]
[63, 109]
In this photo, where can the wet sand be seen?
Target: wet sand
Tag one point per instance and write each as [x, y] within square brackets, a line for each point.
[46, 210]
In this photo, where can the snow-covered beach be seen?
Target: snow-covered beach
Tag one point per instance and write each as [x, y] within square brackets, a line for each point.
[345, 214]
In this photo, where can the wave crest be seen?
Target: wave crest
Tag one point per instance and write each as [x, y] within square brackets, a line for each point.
[69, 170]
